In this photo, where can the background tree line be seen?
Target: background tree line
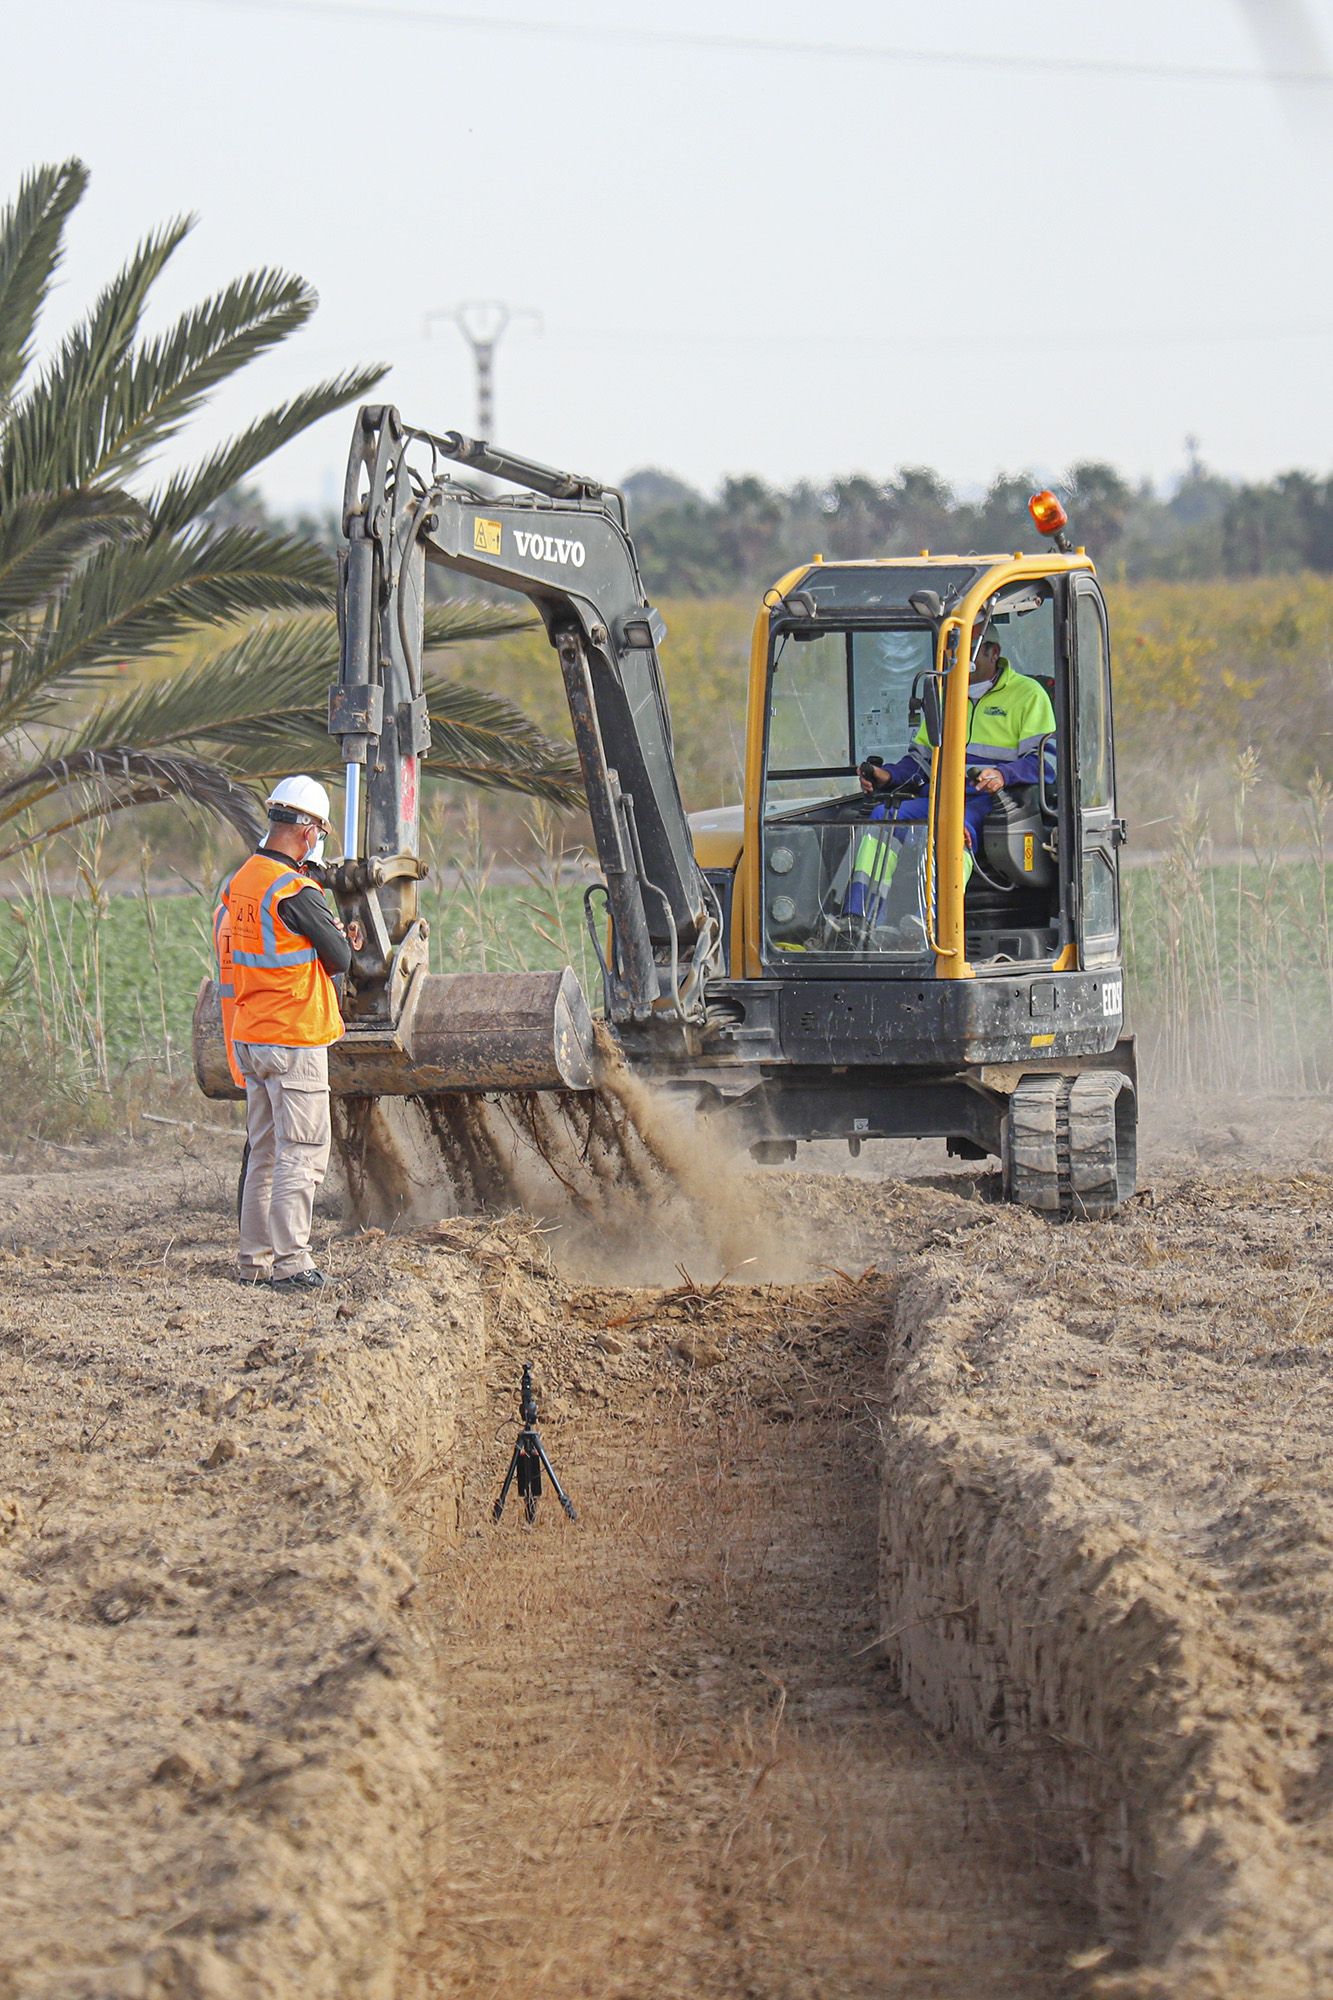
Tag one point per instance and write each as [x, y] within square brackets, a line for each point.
[1208, 527]
[695, 545]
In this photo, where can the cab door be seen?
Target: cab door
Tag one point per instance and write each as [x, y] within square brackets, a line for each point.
[1098, 832]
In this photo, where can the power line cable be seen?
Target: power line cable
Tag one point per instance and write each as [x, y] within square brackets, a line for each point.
[1071, 339]
[1114, 70]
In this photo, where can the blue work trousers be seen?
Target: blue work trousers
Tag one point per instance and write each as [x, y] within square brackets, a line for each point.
[872, 875]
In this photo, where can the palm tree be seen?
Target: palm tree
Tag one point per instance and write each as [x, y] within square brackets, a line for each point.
[98, 570]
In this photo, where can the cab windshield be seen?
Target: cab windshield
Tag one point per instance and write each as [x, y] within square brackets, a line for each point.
[838, 879]
[835, 698]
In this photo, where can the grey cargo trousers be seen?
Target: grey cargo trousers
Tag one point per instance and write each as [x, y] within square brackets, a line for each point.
[287, 1124]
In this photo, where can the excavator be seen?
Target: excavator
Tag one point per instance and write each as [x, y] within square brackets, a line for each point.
[972, 989]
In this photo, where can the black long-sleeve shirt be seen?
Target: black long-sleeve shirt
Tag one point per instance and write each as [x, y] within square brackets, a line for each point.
[310, 917]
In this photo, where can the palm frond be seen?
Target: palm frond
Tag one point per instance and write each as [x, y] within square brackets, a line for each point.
[455, 620]
[32, 229]
[187, 495]
[499, 756]
[278, 670]
[277, 674]
[134, 601]
[114, 778]
[92, 578]
[168, 378]
[485, 740]
[260, 705]
[558, 784]
[44, 535]
[56, 432]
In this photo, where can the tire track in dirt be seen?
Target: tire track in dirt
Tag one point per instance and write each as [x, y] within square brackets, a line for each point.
[674, 1766]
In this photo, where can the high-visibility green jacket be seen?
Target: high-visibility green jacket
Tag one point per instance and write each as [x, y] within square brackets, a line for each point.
[1004, 731]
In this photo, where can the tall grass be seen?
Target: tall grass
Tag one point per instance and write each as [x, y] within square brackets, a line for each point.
[482, 924]
[96, 991]
[1229, 962]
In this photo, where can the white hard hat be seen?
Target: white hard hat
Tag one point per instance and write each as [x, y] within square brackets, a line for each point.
[303, 796]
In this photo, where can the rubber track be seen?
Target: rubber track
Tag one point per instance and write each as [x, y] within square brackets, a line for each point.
[1034, 1159]
[1094, 1167]
[1062, 1144]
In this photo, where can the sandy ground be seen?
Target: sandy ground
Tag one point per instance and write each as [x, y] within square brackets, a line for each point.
[274, 1683]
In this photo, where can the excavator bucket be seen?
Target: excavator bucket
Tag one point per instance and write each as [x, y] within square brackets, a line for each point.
[460, 1031]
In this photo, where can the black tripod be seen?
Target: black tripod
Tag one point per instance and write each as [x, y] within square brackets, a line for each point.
[528, 1459]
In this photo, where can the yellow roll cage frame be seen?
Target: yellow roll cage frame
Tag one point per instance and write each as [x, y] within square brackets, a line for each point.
[948, 769]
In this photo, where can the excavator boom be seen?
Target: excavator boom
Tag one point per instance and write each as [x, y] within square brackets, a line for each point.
[562, 541]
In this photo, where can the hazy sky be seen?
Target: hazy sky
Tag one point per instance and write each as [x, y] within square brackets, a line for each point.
[794, 262]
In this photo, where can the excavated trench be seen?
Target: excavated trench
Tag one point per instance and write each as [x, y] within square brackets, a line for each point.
[677, 1759]
[1059, 1732]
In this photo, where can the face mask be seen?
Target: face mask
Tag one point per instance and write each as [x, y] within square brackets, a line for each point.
[316, 853]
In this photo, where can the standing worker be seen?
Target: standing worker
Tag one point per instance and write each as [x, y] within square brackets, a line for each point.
[286, 949]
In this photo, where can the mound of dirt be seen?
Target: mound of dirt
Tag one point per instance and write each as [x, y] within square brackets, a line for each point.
[219, 1756]
[1105, 1547]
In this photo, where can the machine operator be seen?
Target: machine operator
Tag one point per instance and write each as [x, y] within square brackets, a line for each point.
[1008, 715]
[286, 948]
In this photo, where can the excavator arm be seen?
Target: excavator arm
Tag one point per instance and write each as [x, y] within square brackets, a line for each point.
[561, 540]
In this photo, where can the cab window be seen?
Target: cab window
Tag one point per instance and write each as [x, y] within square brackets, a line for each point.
[808, 724]
[1094, 705]
[836, 698]
[1023, 620]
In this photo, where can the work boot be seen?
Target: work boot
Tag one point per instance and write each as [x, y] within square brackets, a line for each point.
[252, 1278]
[300, 1281]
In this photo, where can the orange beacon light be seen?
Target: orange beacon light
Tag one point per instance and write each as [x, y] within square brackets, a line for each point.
[1047, 514]
[1050, 518]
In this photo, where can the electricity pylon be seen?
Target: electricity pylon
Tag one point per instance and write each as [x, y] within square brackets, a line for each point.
[483, 323]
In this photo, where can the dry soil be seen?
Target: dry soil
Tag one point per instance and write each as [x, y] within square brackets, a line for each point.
[285, 1713]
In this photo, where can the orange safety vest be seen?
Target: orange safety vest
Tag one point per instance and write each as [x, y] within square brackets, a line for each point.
[226, 987]
[283, 994]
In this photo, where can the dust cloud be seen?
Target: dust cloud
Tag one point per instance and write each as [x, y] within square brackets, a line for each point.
[629, 1184]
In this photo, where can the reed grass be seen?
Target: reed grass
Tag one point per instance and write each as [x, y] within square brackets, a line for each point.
[1228, 962]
